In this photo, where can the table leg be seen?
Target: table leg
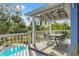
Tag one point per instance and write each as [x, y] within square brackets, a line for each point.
[56, 41]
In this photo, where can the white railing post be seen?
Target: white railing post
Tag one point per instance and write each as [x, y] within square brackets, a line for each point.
[50, 27]
[33, 31]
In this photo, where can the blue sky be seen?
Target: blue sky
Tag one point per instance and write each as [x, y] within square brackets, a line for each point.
[31, 6]
[28, 7]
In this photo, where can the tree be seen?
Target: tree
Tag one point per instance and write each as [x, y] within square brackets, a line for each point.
[60, 26]
[10, 19]
[4, 19]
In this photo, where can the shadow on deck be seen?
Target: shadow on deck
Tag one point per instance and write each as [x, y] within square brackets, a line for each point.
[41, 48]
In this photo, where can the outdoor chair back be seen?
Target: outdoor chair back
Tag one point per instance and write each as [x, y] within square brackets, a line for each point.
[46, 35]
[52, 37]
[61, 38]
[48, 38]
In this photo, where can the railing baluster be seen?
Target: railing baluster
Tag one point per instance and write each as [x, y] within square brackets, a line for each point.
[21, 42]
[13, 44]
[20, 45]
[9, 45]
[17, 46]
[4, 46]
[23, 45]
[28, 43]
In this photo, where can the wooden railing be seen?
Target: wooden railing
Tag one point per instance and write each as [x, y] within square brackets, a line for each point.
[8, 41]
[39, 34]
[14, 42]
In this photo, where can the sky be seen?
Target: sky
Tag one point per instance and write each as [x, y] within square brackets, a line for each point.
[28, 7]
[31, 6]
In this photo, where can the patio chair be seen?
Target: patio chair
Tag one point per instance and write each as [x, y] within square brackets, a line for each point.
[48, 38]
[53, 39]
[61, 38]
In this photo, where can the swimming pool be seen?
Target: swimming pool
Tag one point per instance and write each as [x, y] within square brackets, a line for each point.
[12, 50]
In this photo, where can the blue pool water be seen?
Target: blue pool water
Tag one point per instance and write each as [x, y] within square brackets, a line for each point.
[12, 50]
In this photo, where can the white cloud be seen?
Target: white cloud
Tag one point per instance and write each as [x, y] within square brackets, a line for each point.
[20, 7]
[26, 20]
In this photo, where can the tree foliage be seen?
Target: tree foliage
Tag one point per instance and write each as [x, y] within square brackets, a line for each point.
[10, 19]
[60, 26]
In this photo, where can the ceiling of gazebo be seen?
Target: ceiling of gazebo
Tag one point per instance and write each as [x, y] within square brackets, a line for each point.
[51, 12]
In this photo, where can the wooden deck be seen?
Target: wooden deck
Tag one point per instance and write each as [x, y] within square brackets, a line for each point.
[53, 49]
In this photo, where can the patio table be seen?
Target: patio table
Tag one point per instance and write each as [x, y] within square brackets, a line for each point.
[56, 36]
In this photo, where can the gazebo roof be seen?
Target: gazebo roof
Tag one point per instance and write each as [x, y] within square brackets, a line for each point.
[51, 11]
